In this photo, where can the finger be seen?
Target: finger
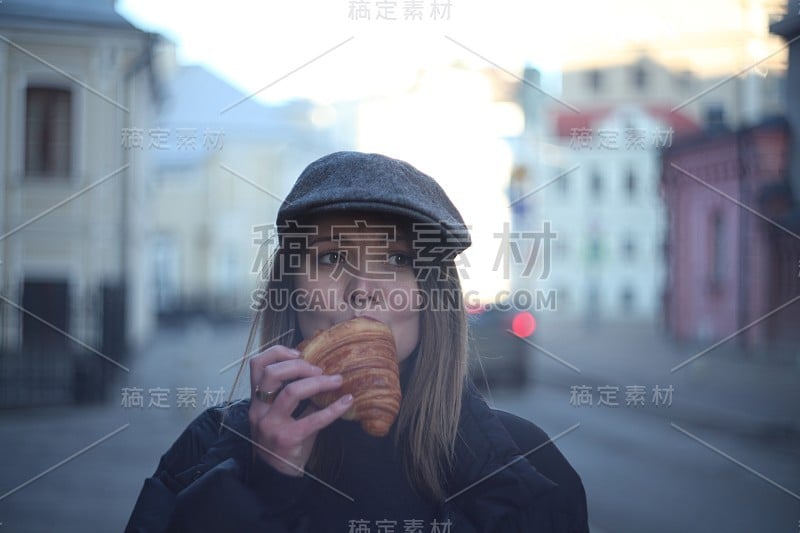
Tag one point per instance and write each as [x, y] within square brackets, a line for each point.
[297, 391]
[271, 355]
[317, 420]
[288, 371]
[274, 376]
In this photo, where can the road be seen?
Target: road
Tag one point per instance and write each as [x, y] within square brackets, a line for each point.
[643, 474]
[644, 468]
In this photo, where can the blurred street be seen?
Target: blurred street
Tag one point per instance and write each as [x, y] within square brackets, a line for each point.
[643, 466]
[628, 178]
[641, 473]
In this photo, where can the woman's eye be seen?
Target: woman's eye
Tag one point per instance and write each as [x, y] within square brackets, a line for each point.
[399, 260]
[331, 258]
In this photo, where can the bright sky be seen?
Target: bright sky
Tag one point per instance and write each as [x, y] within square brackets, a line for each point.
[253, 44]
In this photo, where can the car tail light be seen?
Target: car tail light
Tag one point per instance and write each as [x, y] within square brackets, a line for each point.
[523, 324]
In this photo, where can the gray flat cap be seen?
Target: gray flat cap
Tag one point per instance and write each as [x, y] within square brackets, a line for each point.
[355, 181]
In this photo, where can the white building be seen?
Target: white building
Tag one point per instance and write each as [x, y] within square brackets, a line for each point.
[607, 259]
[73, 219]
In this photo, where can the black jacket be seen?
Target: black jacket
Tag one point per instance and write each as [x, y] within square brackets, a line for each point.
[206, 481]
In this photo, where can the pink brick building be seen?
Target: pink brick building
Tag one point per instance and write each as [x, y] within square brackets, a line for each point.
[727, 266]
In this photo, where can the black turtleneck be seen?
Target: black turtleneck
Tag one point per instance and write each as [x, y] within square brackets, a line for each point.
[373, 475]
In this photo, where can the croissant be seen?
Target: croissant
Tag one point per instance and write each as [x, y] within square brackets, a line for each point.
[362, 350]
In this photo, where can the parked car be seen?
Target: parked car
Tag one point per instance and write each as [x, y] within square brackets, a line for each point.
[499, 354]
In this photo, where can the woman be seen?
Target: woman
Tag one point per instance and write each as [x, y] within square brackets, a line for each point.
[362, 235]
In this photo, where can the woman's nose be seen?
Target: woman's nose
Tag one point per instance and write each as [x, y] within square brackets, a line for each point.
[363, 285]
[360, 292]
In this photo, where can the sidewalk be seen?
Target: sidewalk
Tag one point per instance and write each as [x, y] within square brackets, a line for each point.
[724, 388]
[82, 467]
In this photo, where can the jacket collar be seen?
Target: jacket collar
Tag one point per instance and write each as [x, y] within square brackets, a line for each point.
[491, 476]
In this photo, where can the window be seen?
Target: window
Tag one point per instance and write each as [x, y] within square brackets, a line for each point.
[48, 303]
[563, 186]
[715, 117]
[167, 273]
[560, 247]
[628, 248]
[595, 80]
[627, 298]
[592, 301]
[596, 184]
[684, 80]
[48, 131]
[639, 77]
[718, 251]
[595, 249]
[630, 184]
[562, 297]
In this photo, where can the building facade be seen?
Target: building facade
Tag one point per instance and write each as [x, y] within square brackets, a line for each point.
[223, 163]
[603, 203]
[600, 189]
[606, 209]
[732, 264]
[734, 226]
[73, 278]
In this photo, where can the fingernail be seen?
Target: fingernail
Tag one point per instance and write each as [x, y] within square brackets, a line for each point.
[336, 378]
[316, 370]
[294, 352]
[347, 398]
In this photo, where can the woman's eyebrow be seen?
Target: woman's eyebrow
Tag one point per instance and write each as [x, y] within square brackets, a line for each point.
[317, 238]
[346, 237]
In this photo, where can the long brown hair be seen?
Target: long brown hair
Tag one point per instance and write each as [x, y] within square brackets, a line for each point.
[427, 424]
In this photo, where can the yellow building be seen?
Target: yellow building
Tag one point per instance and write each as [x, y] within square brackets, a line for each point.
[73, 216]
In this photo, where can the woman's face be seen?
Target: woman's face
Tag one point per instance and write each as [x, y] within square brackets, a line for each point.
[359, 266]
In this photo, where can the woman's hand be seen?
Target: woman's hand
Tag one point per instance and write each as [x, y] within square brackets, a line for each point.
[282, 441]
